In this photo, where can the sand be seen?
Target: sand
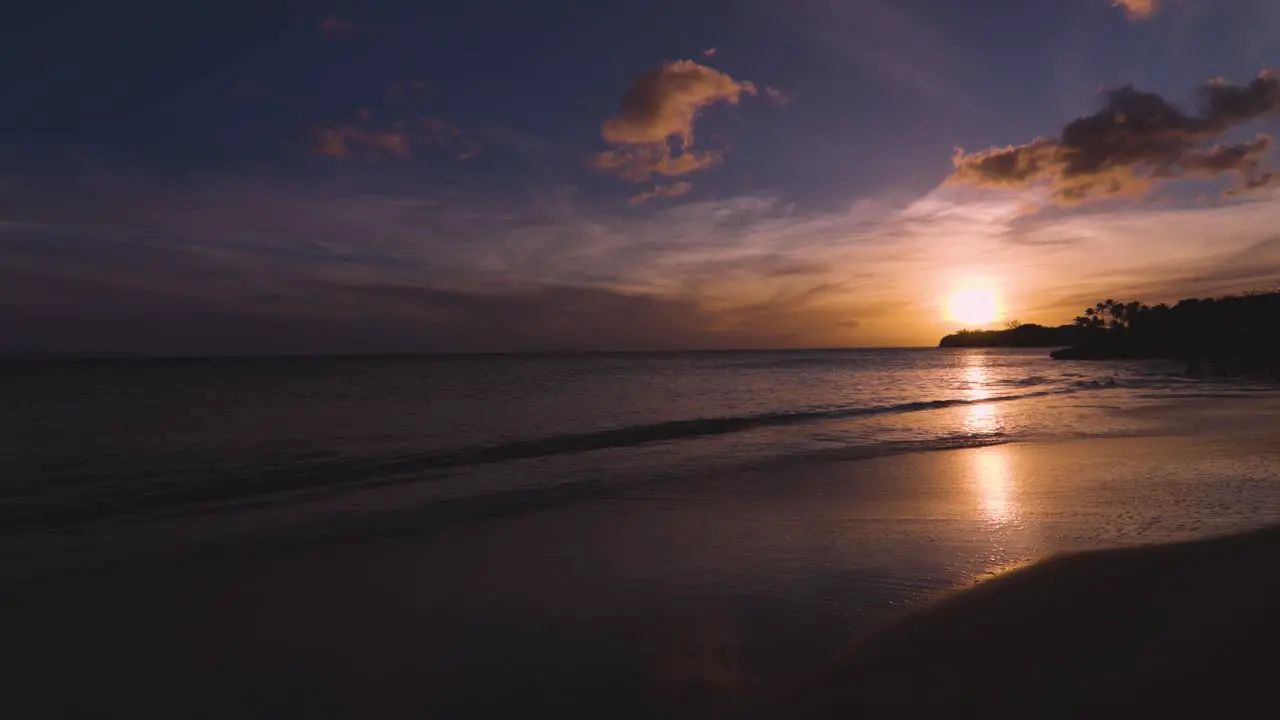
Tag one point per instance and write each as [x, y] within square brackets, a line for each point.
[692, 598]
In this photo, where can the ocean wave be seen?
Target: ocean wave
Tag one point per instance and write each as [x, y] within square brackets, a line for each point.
[96, 498]
[676, 430]
[1262, 394]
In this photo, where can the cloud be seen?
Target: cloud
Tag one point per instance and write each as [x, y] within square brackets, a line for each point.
[310, 265]
[1135, 141]
[343, 141]
[88, 316]
[398, 91]
[399, 139]
[1137, 9]
[638, 164]
[658, 111]
[341, 261]
[776, 96]
[1260, 181]
[662, 191]
[900, 44]
[663, 103]
[709, 52]
[165, 301]
[1245, 158]
[332, 27]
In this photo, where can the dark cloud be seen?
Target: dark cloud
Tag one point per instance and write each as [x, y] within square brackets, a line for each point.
[1225, 104]
[1136, 139]
[794, 268]
[1245, 158]
[1261, 181]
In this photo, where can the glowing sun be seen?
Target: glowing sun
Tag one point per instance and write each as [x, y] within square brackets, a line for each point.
[975, 306]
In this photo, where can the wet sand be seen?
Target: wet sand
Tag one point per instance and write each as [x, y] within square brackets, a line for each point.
[1156, 630]
[679, 599]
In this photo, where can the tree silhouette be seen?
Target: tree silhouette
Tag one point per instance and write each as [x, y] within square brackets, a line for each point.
[1227, 335]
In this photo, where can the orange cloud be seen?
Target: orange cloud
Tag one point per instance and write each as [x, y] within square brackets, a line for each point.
[1137, 9]
[343, 141]
[638, 164]
[662, 191]
[332, 27]
[663, 103]
[709, 52]
[658, 111]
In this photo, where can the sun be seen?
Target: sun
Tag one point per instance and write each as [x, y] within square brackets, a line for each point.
[974, 306]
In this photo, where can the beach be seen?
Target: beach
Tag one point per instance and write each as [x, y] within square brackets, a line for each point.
[738, 360]
[709, 595]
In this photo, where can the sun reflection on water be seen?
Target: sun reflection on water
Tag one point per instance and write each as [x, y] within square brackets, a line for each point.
[975, 378]
[983, 419]
[994, 485]
[980, 417]
[993, 477]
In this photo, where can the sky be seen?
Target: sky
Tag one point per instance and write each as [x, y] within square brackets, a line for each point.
[382, 177]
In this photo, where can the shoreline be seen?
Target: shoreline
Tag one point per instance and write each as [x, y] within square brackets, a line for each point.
[1232, 415]
[1156, 626]
[761, 576]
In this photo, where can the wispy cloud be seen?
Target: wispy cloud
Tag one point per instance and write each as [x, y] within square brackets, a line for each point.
[661, 191]
[889, 42]
[638, 164]
[398, 91]
[365, 139]
[332, 27]
[329, 264]
[343, 141]
[776, 96]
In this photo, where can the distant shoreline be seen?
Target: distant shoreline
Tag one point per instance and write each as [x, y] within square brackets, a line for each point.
[1017, 336]
[1229, 336]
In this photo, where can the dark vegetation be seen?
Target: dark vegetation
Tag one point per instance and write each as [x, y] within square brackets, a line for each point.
[1016, 335]
[1231, 335]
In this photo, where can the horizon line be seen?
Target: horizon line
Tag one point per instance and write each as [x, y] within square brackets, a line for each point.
[72, 357]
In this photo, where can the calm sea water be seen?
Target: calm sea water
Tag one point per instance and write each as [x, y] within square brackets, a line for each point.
[91, 452]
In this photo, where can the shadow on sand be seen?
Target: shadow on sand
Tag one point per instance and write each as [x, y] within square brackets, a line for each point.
[1157, 627]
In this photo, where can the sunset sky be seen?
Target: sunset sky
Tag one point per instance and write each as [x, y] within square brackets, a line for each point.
[508, 176]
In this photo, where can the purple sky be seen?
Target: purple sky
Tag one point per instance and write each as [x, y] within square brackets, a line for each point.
[276, 177]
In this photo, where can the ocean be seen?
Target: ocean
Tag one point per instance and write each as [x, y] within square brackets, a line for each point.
[647, 535]
[119, 457]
